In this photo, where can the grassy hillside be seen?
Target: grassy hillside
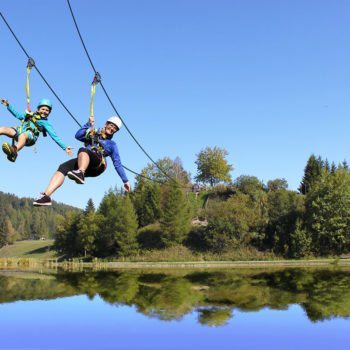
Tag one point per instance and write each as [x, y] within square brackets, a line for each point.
[29, 249]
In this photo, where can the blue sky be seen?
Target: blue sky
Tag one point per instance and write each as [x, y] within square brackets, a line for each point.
[268, 80]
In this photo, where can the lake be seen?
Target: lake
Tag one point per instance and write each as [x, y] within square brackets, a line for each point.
[290, 308]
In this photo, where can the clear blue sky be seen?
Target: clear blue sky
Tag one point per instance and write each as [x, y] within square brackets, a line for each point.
[268, 80]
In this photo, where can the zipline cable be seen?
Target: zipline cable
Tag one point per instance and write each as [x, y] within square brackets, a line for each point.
[37, 69]
[52, 90]
[110, 101]
[62, 103]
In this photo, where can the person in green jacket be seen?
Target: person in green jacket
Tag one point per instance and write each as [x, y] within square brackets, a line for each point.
[27, 133]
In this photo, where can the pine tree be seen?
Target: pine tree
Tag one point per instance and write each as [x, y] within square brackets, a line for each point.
[66, 234]
[3, 232]
[312, 172]
[125, 228]
[333, 168]
[328, 213]
[90, 207]
[326, 165]
[108, 210]
[88, 230]
[11, 233]
[175, 223]
[147, 204]
[345, 165]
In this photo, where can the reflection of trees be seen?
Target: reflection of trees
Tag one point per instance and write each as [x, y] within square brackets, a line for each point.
[212, 294]
[121, 289]
[214, 316]
[171, 299]
[13, 288]
[323, 293]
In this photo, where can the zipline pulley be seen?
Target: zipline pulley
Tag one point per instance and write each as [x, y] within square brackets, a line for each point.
[96, 80]
[30, 65]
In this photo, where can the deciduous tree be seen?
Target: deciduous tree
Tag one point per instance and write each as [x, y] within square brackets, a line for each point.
[212, 166]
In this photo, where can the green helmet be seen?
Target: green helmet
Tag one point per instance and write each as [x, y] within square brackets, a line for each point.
[45, 102]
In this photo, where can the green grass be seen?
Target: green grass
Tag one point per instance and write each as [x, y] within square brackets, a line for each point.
[29, 249]
[30, 253]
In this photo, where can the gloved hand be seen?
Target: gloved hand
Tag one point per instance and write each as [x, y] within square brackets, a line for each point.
[5, 102]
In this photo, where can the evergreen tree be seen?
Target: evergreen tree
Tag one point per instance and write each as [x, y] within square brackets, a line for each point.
[328, 213]
[3, 232]
[125, 228]
[90, 207]
[147, 204]
[326, 165]
[11, 233]
[108, 210]
[312, 172]
[66, 234]
[88, 230]
[345, 165]
[284, 209]
[175, 222]
[333, 168]
[28, 222]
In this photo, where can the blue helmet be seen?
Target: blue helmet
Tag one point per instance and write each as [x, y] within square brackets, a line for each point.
[45, 102]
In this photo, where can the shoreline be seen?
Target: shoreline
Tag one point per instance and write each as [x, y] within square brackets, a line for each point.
[6, 263]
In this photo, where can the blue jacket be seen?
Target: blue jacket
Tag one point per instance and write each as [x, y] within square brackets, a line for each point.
[110, 149]
[45, 124]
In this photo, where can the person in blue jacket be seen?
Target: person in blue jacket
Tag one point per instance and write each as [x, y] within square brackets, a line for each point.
[91, 160]
[28, 132]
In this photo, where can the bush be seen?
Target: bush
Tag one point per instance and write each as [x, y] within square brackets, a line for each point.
[149, 237]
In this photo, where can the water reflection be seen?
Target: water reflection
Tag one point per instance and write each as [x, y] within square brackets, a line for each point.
[213, 295]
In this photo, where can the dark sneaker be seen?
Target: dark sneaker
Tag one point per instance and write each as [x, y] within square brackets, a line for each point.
[10, 151]
[77, 176]
[42, 201]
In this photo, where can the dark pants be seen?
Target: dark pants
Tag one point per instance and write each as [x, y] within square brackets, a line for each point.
[96, 166]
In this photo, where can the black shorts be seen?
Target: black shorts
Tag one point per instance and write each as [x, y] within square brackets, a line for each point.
[96, 166]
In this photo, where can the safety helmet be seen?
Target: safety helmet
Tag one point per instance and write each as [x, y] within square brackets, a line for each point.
[45, 102]
[116, 121]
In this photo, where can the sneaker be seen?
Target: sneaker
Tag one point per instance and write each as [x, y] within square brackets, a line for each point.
[77, 176]
[10, 151]
[43, 200]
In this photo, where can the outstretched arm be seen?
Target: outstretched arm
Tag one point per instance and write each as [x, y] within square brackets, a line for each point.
[16, 114]
[48, 127]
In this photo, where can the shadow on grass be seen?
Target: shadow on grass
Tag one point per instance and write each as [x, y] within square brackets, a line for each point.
[41, 250]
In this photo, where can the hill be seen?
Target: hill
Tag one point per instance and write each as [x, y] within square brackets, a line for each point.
[39, 249]
[21, 221]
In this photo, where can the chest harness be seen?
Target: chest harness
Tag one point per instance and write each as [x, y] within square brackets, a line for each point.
[29, 123]
[30, 120]
[93, 137]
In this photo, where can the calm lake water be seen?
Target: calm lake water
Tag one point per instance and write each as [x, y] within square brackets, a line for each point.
[176, 309]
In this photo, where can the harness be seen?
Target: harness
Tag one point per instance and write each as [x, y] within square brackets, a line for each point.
[33, 118]
[93, 137]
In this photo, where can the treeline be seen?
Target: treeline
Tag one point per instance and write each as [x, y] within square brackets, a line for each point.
[18, 220]
[244, 214]
[218, 219]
